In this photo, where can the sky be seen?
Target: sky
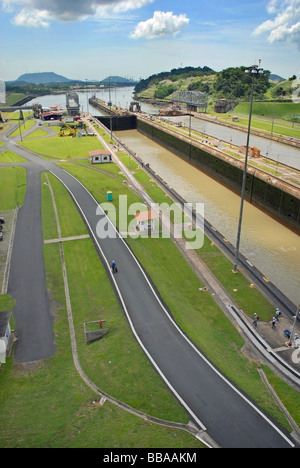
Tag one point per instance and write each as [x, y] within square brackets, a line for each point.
[94, 39]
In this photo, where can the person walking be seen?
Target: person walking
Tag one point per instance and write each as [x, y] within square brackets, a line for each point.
[277, 314]
[273, 322]
[255, 320]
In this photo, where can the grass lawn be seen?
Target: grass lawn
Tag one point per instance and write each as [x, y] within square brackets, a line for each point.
[250, 300]
[267, 109]
[13, 187]
[262, 117]
[26, 125]
[63, 147]
[9, 157]
[6, 302]
[47, 405]
[12, 98]
[38, 133]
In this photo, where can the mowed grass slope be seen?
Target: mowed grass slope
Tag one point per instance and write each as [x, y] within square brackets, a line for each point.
[13, 187]
[196, 312]
[46, 404]
[63, 147]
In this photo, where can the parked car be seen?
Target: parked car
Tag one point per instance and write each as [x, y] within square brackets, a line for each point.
[2, 221]
[1, 236]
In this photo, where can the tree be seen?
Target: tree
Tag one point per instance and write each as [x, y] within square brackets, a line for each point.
[164, 90]
[235, 83]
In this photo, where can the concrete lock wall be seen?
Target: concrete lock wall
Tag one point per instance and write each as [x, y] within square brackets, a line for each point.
[118, 123]
[275, 197]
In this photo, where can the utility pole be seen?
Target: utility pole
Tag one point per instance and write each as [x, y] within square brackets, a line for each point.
[87, 95]
[109, 105]
[254, 70]
[294, 326]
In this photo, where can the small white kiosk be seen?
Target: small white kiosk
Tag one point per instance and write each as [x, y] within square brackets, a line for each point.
[145, 221]
[100, 157]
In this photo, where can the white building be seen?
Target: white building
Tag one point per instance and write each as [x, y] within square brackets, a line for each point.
[100, 156]
[146, 221]
[5, 335]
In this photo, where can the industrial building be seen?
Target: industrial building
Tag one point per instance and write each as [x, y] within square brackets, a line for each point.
[73, 106]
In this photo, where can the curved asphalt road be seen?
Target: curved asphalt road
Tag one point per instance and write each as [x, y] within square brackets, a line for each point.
[212, 402]
[27, 282]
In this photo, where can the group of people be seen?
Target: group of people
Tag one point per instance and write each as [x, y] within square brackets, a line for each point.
[274, 319]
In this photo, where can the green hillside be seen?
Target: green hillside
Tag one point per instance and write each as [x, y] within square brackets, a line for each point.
[272, 100]
[267, 109]
[231, 83]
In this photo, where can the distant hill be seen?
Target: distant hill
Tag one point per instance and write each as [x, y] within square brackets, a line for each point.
[42, 78]
[276, 78]
[118, 81]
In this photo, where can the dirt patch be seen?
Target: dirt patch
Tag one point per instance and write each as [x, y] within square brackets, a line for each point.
[253, 354]
[26, 368]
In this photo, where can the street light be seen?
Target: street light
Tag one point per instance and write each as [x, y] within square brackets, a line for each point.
[254, 70]
[87, 95]
[110, 106]
[294, 326]
[190, 125]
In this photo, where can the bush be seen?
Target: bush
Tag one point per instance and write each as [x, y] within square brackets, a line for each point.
[164, 90]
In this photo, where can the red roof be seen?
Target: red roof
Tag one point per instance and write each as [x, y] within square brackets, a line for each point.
[46, 114]
[145, 215]
[98, 152]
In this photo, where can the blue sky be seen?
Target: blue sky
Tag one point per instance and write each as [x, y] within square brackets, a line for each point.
[92, 39]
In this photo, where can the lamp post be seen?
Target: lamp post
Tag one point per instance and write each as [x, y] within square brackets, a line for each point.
[254, 70]
[190, 125]
[294, 326]
[110, 106]
[87, 95]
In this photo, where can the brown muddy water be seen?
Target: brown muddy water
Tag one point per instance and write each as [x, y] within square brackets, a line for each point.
[270, 246]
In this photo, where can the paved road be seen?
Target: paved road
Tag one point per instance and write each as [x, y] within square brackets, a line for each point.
[27, 278]
[230, 419]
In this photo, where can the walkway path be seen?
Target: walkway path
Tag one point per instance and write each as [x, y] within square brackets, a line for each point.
[27, 282]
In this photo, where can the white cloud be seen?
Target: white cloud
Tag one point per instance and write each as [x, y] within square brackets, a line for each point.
[39, 12]
[126, 5]
[286, 24]
[31, 18]
[162, 24]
